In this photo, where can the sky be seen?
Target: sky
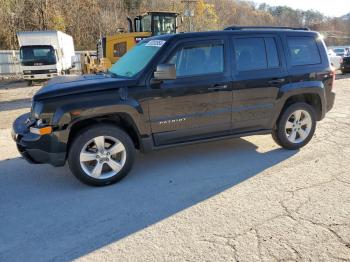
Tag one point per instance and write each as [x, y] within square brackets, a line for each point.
[329, 8]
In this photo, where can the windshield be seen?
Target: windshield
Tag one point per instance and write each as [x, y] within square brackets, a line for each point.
[164, 25]
[339, 50]
[136, 59]
[37, 55]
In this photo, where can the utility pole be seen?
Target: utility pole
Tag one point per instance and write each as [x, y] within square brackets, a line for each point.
[189, 12]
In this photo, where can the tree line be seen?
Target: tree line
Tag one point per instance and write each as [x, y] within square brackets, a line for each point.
[88, 20]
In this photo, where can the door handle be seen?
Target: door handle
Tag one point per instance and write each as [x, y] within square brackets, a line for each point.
[217, 87]
[277, 81]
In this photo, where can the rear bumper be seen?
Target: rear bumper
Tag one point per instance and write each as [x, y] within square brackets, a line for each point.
[34, 148]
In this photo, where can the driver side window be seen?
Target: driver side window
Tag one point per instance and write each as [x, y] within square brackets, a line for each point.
[198, 60]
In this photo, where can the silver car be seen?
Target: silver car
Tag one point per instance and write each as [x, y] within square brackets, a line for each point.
[342, 51]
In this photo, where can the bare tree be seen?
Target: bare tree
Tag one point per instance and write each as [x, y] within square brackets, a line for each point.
[88, 20]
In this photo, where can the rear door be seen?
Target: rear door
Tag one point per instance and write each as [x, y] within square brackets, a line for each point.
[258, 71]
[198, 103]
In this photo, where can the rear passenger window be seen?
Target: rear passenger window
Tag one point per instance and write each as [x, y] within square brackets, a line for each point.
[272, 54]
[303, 51]
[198, 60]
[256, 53]
[250, 54]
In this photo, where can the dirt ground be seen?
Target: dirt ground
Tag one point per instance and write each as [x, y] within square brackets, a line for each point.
[236, 200]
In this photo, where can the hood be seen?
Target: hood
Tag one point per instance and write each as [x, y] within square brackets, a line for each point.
[69, 85]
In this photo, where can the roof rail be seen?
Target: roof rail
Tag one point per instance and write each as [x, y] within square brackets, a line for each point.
[266, 27]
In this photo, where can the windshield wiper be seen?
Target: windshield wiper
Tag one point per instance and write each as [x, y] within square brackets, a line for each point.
[111, 73]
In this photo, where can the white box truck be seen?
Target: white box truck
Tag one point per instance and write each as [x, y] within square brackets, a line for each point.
[45, 54]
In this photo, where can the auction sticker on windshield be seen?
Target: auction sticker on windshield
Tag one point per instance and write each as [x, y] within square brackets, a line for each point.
[157, 43]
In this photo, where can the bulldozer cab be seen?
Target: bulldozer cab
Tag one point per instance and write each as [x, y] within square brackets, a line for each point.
[156, 23]
[111, 48]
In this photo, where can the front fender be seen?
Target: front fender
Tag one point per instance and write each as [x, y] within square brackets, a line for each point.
[70, 114]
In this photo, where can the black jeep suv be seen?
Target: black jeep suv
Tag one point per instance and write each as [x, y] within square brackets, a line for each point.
[178, 89]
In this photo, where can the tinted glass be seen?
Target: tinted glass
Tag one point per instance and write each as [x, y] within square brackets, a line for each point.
[303, 51]
[250, 54]
[119, 49]
[272, 54]
[164, 24]
[137, 58]
[198, 60]
[146, 23]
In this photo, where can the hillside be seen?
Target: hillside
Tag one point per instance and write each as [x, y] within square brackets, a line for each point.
[88, 20]
[346, 17]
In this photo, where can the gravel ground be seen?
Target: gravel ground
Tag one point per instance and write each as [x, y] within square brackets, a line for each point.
[236, 200]
[15, 97]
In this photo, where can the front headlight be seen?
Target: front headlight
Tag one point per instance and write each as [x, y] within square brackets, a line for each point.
[40, 128]
[52, 70]
[27, 72]
[40, 122]
[37, 109]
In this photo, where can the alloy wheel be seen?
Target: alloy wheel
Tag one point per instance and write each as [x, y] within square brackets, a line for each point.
[298, 126]
[103, 157]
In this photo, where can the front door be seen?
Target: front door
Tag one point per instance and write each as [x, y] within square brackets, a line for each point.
[198, 103]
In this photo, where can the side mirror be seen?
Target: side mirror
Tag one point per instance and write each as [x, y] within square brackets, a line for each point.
[165, 72]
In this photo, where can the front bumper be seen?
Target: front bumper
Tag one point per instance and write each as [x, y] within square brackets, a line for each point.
[40, 76]
[34, 148]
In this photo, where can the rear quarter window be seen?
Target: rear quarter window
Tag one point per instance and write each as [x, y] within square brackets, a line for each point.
[303, 51]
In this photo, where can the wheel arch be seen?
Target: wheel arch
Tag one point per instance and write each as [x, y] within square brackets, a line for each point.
[122, 120]
[312, 99]
[310, 92]
[312, 96]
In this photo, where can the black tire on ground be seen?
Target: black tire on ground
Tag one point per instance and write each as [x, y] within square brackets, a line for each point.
[29, 82]
[275, 137]
[86, 135]
[279, 134]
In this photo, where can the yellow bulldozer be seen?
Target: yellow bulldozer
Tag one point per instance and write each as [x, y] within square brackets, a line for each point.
[111, 48]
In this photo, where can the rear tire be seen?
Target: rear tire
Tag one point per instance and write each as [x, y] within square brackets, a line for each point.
[101, 155]
[295, 127]
[275, 137]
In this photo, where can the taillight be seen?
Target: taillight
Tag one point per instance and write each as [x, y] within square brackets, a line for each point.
[341, 60]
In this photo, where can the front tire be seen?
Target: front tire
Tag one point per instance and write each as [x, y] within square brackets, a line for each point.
[295, 127]
[101, 155]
